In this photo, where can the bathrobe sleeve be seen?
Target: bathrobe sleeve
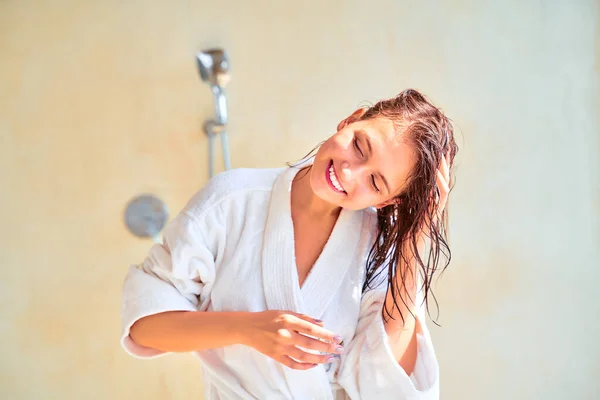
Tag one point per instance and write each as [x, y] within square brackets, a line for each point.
[368, 369]
[177, 275]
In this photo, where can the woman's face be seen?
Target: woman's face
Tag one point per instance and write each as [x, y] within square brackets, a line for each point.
[364, 164]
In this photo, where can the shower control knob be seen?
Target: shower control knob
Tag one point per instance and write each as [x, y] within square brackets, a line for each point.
[146, 216]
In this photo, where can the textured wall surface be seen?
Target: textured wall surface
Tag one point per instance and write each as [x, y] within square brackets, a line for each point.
[101, 101]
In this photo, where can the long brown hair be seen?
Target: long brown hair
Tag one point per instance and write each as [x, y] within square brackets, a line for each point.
[431, 135]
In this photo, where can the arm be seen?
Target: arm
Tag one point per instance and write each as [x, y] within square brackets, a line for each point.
[273, 333]
[171, 285]
[185, 331]
[166, 301]
[381, 357]
[402, 334]
[370, 370]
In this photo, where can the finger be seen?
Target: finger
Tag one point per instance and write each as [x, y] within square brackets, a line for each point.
[449, 163]
[316, 345]
[445, 167]
[309, 319]
[442, 183]
[288, 362]
[309, 358]
[444, 190]
[314, 330]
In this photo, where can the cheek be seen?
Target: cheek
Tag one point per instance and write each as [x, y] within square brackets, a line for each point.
[364, 197]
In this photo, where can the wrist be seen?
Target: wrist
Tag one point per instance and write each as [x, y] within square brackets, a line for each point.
[225, 327]
[240, 327]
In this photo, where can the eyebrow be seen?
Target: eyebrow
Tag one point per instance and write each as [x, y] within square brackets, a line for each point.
[364, 134]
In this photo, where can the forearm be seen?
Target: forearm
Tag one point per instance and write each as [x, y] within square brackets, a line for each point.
[402, 326]
[185, 331]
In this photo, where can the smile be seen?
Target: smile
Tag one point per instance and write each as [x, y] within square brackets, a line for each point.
[333, 180]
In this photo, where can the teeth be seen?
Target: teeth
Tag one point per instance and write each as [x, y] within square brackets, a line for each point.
[334, 180]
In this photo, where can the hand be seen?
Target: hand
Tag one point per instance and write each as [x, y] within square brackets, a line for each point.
[438, 203]
[277, 334]
[443, 182]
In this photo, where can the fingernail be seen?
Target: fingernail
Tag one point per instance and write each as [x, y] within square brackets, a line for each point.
[330, 359]
[339, 349]
[319, 321]
[337, 339]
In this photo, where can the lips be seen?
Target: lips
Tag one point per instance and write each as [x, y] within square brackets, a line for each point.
[333, 179]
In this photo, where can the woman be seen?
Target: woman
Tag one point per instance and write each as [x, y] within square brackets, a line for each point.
[276, 278]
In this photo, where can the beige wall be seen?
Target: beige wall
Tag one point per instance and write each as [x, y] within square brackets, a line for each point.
[101, 101]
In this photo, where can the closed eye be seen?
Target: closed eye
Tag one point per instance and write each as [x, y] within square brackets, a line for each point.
[357, 147]
[374, 184]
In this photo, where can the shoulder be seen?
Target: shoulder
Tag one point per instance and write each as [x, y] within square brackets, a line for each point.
[234, 184]
[241, 180]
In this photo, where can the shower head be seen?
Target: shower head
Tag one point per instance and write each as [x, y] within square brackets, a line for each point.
[214, 67]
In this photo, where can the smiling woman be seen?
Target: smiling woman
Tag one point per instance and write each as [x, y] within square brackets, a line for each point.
[409, 141]
[277, 269]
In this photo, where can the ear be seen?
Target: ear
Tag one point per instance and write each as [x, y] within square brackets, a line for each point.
[393, 200]
[355, 116]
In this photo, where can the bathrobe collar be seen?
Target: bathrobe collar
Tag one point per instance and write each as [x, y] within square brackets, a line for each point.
[280, 274]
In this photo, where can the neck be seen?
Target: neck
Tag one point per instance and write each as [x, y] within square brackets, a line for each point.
[305, 201]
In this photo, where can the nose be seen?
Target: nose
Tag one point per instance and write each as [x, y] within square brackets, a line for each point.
[345, 171]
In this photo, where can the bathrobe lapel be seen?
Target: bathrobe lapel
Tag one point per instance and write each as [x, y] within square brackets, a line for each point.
[280, 275]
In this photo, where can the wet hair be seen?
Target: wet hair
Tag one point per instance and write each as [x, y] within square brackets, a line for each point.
[431, 135]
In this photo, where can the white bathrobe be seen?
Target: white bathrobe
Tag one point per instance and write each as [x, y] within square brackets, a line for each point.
[232, 249]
